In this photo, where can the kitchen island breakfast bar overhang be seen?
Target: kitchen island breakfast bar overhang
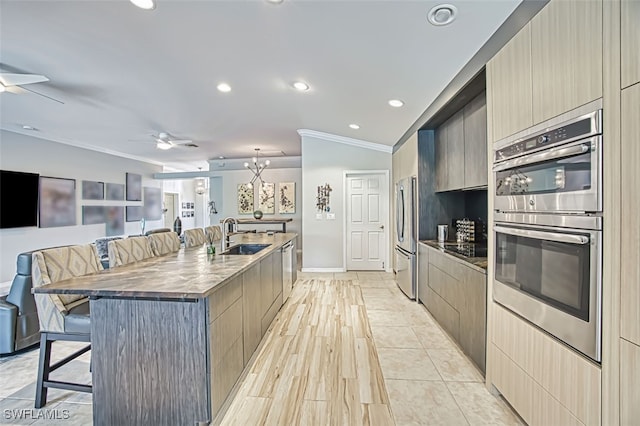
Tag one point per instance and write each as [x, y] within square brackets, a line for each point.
[172, 334]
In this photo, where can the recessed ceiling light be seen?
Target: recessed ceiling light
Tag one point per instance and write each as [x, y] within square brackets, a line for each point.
[442, 14]
[274, 1]
[224, 87]
[354, 126]
[396, 103]
[27, 127]
[221, 157]
[301, 86]
[145, 4]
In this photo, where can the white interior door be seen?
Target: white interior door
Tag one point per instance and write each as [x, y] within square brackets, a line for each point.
[170, 203]
[367, 209]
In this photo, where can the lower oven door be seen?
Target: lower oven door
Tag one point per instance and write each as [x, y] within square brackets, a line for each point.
[551, 276]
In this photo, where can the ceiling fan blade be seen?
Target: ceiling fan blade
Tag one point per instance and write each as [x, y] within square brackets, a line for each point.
[180, 141]
[8, 79]
[41, 94]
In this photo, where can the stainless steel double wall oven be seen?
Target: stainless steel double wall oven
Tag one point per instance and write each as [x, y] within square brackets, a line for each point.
[548, 228]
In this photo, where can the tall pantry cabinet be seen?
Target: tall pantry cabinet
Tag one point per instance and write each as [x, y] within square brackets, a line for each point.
[630, 213]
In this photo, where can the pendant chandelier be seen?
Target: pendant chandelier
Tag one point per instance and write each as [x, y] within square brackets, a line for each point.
[256, 168]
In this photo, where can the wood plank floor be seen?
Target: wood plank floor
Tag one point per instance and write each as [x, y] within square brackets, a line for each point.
[318, 364]
[351, 349]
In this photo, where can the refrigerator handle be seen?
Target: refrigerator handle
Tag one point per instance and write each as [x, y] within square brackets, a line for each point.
[400, 214]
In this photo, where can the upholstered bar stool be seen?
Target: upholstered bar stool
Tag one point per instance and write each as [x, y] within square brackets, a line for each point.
[129, 250]
[164, 243]
[214, 235]
[61, 316]
[194, 237]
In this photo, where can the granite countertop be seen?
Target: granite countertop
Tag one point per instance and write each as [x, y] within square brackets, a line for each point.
[446, 247]
[186, 274]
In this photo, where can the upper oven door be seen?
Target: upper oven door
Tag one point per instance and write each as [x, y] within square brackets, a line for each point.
[564, 178]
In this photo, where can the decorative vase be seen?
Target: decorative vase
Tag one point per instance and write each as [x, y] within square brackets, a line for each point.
[177, 225]
[257, 214]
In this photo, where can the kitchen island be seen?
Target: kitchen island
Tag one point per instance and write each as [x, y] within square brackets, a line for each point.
[171, 335]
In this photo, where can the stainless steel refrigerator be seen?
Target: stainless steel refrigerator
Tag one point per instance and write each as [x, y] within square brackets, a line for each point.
[406, 236]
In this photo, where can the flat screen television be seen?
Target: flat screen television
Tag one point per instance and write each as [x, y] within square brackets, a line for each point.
[18, 199]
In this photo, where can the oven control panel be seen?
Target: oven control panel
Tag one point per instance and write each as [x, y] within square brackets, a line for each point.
[552, 137]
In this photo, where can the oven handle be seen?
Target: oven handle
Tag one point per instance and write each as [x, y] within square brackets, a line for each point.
[541, 235]
[544, 156]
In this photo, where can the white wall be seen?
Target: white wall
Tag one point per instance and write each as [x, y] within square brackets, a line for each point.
[30, 154]
[325, 161]
[224, 191]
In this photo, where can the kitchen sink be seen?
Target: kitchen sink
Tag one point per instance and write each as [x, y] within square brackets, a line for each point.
[245, 249]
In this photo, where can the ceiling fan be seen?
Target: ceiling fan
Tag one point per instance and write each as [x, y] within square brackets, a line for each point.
[166, 141]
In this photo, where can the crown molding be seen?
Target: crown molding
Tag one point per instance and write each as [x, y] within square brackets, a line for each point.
[346, 141]
[87, 147]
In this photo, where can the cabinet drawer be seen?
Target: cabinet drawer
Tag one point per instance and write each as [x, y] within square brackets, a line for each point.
[444, 313]
[222, 298]
[225, 330]
[446, 287]
[446, 264]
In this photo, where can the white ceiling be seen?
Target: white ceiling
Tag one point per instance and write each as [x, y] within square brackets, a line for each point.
[124, 73]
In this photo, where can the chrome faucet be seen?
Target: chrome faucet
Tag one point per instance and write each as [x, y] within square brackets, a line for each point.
[225, 230]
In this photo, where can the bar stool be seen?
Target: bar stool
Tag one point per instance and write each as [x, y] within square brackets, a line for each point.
[194, 237]
[61, 316]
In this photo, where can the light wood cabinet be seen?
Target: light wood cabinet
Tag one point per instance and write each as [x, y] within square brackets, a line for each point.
[566, 57]
[510, 73]
[630, 218]
[629, 383]
[251, 311]
[455, 294]
[475, 142]
[630, 42]
[566, 376]
[266, 284]
[553, 65]
[271, 288]
[226, 349]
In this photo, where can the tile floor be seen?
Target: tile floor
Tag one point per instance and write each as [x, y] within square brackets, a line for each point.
[427, 378]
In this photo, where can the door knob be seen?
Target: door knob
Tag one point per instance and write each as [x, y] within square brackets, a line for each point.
[381, 226]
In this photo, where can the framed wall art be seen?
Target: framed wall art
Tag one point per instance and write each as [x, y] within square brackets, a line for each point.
[57, 202]
[152, 203]
[245, 199]
[92, 215]
[267, 198]
[92, 190]
[287, 197]
[134, 213]
[114, 191]
[134, 187]
[114, 218]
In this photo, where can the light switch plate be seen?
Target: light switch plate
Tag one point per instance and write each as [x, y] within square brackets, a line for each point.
[318, 216]
[331, 216]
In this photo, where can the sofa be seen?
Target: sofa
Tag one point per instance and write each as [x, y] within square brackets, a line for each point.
[19, 327]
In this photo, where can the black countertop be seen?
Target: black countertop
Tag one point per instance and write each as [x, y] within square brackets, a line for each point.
[473, 253]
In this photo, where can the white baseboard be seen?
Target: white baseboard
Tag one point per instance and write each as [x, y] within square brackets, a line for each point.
[322, 270]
